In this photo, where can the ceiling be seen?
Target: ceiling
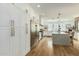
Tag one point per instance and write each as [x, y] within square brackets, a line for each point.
[51, 10]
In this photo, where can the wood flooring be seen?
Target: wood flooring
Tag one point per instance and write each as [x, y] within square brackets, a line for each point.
[45, 47]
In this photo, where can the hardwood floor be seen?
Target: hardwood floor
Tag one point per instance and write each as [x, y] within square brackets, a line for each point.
[46, 48]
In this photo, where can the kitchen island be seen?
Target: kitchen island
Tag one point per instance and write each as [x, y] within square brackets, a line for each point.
[61, 38]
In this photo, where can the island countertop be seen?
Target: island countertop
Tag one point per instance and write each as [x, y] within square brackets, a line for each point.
[59, 33]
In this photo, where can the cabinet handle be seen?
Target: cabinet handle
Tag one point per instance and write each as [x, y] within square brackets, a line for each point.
[12, 28]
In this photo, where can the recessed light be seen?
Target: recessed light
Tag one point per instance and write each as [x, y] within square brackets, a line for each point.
[38, 6]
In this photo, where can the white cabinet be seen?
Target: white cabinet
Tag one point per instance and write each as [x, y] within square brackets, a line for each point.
[19, 44]
[10, 45]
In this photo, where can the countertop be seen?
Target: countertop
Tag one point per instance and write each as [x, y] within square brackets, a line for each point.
[59, 33]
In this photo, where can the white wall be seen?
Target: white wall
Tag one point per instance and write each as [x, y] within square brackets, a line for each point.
[20, 43]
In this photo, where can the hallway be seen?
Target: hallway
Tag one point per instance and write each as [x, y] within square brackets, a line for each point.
[45, 48]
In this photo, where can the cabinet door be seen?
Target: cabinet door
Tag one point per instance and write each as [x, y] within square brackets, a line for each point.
[4, 32]
[4, 42]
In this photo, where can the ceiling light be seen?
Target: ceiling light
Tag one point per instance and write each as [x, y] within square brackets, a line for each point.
[38, 6]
